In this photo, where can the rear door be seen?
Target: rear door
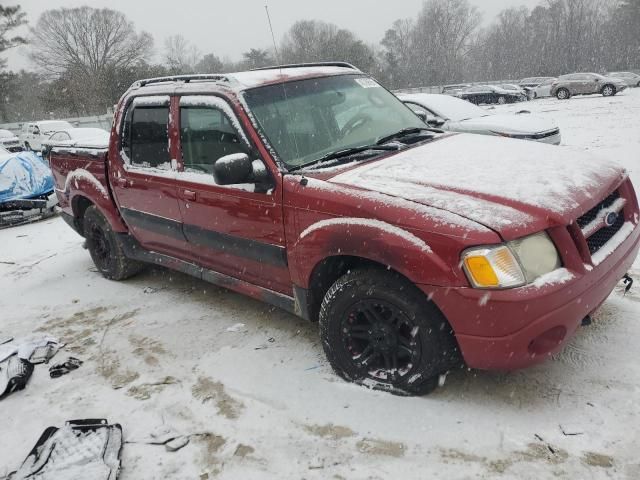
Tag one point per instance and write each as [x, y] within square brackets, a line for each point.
[236, 230]
[143, 177]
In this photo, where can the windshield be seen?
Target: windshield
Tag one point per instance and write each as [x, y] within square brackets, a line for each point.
[309, 119]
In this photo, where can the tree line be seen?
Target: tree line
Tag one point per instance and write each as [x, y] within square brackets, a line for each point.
[85, 58]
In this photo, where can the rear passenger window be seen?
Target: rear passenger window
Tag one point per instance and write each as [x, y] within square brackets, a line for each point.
[206, 135]
[145, 137]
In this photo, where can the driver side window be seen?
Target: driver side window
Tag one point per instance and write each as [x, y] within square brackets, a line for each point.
[206, 135]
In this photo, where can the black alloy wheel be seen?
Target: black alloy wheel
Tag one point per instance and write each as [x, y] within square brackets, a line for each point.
[379, 330]
[381, 340]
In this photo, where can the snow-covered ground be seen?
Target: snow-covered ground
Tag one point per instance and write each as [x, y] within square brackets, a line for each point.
[251, 387]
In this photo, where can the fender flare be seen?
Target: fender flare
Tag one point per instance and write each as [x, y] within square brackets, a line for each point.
[82, 183]
[373, 240]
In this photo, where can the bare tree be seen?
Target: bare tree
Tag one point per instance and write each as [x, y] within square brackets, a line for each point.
[210, 63]
[87, 39]
[86, 46]
[316, 41]
[181, 56]
[443, 36]
[10, 19]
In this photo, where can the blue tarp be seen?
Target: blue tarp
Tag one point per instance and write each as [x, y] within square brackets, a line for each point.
[24, 175]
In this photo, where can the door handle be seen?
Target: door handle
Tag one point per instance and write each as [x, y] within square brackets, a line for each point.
[122, 182]
[190, 195]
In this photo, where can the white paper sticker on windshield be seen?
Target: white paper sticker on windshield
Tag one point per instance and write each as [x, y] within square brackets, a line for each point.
[367, 83]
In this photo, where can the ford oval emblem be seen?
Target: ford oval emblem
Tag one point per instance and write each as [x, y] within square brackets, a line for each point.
[611, 218]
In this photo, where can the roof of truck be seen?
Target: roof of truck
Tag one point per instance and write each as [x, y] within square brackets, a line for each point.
[245, 80]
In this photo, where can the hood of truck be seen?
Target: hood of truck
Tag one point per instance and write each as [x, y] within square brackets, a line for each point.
[513, 187]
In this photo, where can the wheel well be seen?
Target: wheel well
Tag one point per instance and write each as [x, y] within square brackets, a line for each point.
[79, 206]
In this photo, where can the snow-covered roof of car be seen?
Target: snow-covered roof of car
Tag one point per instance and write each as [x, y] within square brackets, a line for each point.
[445, 106]
[6, 134]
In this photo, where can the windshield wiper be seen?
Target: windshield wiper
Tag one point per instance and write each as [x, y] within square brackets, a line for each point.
[405, 132]
[347, 152]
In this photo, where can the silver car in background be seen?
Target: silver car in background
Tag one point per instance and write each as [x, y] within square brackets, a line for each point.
[630, 78]
[10, 141]
[456, 115]
[544, 89]
[586, 84]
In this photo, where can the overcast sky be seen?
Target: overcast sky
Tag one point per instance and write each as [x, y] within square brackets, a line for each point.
[228, 28]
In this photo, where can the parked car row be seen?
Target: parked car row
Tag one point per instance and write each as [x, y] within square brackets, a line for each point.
[563, 87]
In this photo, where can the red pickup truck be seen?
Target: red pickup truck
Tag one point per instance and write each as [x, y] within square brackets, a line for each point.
[315, 189]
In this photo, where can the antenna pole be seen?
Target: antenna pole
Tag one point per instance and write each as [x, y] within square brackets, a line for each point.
[273, 36]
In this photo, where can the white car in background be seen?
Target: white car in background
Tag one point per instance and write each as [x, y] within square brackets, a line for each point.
[544, 89]
[34, 133]
[10, 141]
[70, 137]
[630, 78]
[455, 115]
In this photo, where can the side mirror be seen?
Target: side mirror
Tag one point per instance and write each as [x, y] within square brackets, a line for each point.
[233, 169]
[421, 114]
[434, 121]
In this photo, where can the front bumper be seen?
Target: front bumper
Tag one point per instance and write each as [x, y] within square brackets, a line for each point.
[552, 140]
[26, 210]
[546, 317]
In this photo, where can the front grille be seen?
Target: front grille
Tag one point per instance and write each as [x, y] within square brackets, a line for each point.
[602, 235]
[592, 214]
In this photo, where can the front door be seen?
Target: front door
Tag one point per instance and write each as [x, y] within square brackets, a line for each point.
[143, 179]
[236, 230]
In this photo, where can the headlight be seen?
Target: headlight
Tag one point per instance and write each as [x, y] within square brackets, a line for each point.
[514, 264]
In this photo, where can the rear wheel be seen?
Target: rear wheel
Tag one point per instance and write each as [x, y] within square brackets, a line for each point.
[380, 331]
[27, 146]
[502, 100]
[105, 248]
[563, 94]
[608, 91]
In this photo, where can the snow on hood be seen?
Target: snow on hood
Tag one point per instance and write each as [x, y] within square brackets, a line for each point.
[512, 187]
[505, 123]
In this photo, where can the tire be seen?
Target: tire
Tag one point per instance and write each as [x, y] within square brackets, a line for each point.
[105, 248]
[501, 100]
[563, 94]
[27, 146]
[535, 95]
[402, 344]
[608, 91]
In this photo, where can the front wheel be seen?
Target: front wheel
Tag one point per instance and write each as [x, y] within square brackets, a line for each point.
[105, 248]
[380, 331]
[608, 91]
[502, 100]
[563, 94]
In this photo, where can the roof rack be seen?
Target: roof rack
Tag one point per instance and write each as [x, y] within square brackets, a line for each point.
[314, 64]
[180, 78]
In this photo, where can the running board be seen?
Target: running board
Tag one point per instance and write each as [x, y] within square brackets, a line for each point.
[133, 250]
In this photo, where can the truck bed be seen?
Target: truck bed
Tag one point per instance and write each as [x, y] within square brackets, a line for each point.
[72, 165]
